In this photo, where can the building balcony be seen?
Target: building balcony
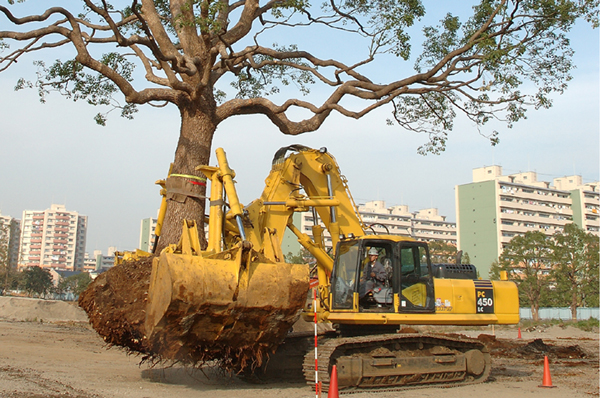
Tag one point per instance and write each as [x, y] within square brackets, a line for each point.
[536, 196]
[59, 241]
[59, 229]
[63, 223]
[537, 207]
[61, 235]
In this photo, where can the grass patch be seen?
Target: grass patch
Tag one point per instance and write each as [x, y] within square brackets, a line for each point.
[588, 325]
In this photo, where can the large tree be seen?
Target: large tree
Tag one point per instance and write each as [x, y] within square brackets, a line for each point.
[506, 56]
[528, 260]
[575, 255]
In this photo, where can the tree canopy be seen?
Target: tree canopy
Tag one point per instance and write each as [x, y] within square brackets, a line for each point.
[75, 284]
[559, 270]
[527, 258]
[477, 66]
[218, 59]
[442, 252]
[36, 280]
[575, 255]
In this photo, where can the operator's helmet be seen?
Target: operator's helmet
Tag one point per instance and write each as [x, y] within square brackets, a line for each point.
[373, 252]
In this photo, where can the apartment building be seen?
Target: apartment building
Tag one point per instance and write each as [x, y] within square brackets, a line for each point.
[147, 237]
[103, 263]
[53, 238]
[89, 263]
[424, 225]
[494, 208]
[10, 231]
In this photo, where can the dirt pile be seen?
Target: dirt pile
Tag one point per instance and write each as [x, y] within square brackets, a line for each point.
[535, 349]
[27, 309]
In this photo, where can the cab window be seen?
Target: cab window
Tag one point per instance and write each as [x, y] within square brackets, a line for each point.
[343, 280]
[416, 285]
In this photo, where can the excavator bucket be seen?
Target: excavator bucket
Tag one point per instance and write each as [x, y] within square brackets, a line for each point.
[234, 306]
[233, 302]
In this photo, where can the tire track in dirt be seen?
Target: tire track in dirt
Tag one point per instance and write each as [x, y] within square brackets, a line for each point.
[29, 383]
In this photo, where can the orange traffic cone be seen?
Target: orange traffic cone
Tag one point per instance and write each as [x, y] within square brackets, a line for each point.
[519, 335]
[547, 380]
[333, 384]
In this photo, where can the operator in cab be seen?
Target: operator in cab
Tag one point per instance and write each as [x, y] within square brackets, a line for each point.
[373, 274]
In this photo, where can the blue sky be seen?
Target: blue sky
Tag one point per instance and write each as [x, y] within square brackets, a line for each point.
[55, 153]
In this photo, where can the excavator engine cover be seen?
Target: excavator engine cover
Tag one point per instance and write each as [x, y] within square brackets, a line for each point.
[234, 306]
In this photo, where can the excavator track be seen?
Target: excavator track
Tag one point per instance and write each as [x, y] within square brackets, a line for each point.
[388, 362]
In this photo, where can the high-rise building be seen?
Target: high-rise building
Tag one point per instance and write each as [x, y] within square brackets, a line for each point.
[53, 238]
[147, 237]
[424, 225]
[494, 208]
[10, 231]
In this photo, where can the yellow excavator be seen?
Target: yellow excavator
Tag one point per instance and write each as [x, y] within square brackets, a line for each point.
[238, 297]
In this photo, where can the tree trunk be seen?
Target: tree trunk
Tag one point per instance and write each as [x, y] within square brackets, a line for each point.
[535, 311]
[574, 304]
[193, 149]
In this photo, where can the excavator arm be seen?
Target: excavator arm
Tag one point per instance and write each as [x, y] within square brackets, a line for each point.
[305, 179]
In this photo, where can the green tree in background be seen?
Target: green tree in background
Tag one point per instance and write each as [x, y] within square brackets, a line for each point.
[75, 284]
[9, 277]
[4, 265]
[465, 258]
[303, 256]
[214, 60]
[442, 252]
[575, 271]
[527, 258]
[495, 269]
[36, 281]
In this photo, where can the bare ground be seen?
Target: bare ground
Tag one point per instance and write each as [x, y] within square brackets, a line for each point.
[69, 360]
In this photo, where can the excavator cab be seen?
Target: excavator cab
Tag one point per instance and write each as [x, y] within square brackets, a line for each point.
[382, 274]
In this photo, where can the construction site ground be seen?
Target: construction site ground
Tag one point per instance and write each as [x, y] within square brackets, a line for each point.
[47, 349]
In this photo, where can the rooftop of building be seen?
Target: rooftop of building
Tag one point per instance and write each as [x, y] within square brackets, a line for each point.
[379, 207]
[530, 178]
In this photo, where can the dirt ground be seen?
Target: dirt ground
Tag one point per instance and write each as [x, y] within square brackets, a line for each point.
[58, 357]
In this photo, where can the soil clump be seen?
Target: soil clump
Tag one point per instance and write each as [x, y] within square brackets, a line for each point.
[115, 303]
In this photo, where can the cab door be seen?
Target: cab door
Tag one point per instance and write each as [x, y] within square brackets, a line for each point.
[413, 282]
[344, 279]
